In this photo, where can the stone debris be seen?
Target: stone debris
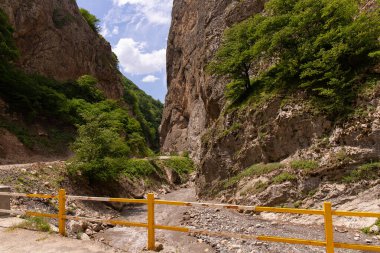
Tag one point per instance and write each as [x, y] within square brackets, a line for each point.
[229, 221]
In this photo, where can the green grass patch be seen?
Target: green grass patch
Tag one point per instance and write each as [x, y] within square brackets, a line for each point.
[254, 170]
[34, 223]
[283, 177]
[182, 165]
[367, 230]
[369, 171]
[21, 132]
[259, 186]
[139, 168]
[306, 165]
[235, 126]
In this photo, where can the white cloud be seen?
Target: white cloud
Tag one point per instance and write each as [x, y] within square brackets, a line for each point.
[115, 30]
[134, 60]
[155, 11]
[105, 32]
[150, 79]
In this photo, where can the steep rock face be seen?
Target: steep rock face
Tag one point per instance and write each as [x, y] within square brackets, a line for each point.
[278, 132]
[195, 99]
[225, 142]
[55, 40]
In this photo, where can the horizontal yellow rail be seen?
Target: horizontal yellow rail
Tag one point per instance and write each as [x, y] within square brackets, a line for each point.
[29, 213]
[327, 212]
[288, 210]
[291, 240]
[171, 228]
[25, 195]
[356, 214]
[47, 215]
[357, 247]
[103, 199]
[211, 205]
[112, 222]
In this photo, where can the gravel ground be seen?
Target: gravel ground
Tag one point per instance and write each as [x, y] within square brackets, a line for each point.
[232, 221]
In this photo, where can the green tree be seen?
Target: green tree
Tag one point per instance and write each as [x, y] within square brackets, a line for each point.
[8, 50]
[234, 58]
[322, 47]
[107, 138]
[100, 141]
[91, 19]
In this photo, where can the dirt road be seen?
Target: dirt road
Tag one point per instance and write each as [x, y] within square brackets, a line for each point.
[133, 240]
[25, 241]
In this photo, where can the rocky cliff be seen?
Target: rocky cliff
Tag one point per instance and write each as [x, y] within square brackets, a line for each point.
[195, 99]
[225, 142]
[55, 40]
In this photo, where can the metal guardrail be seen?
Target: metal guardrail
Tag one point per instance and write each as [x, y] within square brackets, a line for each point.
[151, 226]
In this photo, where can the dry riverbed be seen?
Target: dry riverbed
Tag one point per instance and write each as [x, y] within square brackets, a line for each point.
[125, 239]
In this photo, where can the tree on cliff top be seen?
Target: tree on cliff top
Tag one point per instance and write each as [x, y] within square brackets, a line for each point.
[325, 48]
[91, 19]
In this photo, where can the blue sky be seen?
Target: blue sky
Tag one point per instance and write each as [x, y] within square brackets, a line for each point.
[137, 31]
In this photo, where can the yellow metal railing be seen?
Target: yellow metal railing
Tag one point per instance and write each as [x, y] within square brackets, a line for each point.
[151, 226]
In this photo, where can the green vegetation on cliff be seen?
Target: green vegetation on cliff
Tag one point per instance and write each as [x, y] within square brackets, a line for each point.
[324, 48]
[147, 111]
[91, 19]
[109, 132]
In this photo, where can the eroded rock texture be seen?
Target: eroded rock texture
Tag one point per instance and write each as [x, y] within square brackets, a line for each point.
[195, 99]
[54, 40]
[225, 142]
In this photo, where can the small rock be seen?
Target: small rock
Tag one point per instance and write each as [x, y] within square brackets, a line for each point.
[158, 247]
[85, 237]
[97, 227]
[89, 232]
[259, 226]
[200, 240]
[235, 246]
[368, 241]
[53, 228]
[75, 227]
[341, 230]
[374, 229]
[356, 238]
[258, 243]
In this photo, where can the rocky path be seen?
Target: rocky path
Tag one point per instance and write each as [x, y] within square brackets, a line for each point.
[27, 165]
[25, 241]
[220, 220]
[134, 240]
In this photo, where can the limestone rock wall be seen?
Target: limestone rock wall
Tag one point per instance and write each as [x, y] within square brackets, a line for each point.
[224, 142]
[55, 40]
[195, 99]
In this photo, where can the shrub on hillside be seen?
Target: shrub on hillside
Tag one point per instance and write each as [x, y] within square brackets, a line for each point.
[91, 19]
[325, 48]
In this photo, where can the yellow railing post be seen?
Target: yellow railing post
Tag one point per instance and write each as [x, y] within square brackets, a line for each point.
[62, 211]
[329, 229]
[151, 235]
